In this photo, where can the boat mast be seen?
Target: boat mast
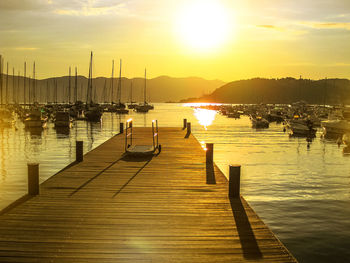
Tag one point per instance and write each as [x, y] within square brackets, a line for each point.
[76, 85]
[104, 91]
[120, 82]
[1, 79]
[30, 89]
[34, 86]
[24, 84]
[47, 91]
[55, 98]
[89, 92]
[7, 83]
[131, 92]
[69, 85]
[13, 85]
[325, 93]
[17, 91]
[112, 81]
[144, 90]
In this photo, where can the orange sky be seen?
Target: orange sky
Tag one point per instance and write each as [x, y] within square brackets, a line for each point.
[266, 38]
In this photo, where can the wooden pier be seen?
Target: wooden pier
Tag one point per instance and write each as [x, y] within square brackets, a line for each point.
[111, 208]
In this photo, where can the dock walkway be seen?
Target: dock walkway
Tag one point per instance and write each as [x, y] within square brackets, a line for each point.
[109, 208]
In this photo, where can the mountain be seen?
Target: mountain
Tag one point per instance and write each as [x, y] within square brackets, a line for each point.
[285, 90]
[160, 89]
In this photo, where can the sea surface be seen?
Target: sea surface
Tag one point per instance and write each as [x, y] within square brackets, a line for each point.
[302, 193]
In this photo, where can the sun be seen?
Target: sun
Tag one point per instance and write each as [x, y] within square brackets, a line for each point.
[203, 25]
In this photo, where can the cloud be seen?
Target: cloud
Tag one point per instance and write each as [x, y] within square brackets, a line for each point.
[271, 27]
[25, 48]
[285, 29]
[267, 26]
[328, 25]
[67, 7]
[24, 5]
[94, 8]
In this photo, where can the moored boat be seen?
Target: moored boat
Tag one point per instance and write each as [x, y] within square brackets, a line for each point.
[335, 127]
[259, 122]
[144, 107]
[35, 119]
[301, 127]
[62, 119]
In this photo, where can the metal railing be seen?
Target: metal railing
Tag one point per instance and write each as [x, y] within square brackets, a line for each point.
[128, 134]
[155, 134]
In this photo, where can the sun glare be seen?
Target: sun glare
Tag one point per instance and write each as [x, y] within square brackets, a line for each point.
[203, 25]
[205, 117]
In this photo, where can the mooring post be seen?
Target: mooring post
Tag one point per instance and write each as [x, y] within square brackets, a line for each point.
[188, 128]
[121, 127]
[33, 178]
[209, 153]
[185, 124]
[234, 181]
[79, 151]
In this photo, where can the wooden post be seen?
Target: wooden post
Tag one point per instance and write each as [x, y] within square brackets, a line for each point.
[185, 124]
[33, 178]
[188, 128]
[209, 152]
[79, 151]
[234, 181]
[121, 128]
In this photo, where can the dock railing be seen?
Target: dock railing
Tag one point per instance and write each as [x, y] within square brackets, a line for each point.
[155, 134]
[128, 134]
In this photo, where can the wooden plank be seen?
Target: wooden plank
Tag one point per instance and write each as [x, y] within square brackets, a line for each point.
[112, 208]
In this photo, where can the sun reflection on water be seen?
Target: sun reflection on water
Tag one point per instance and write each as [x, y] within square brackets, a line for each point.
[205, 117]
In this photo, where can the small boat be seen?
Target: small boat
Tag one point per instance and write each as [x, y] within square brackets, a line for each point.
[62, 119]
[275, 115]
[233, 114]
[145, 107]
[259, 122]
[300, 127]
[93, 113]
[122, 111]
[35, 119]
[132, 105]
[335, 127]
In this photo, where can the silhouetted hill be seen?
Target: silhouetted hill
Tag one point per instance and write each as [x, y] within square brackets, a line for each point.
[286, 90]
[160, 89]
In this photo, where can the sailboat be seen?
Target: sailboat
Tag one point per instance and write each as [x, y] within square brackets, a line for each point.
[132, 104]
[62, 119]
[144, 107]
[35, 119]
[120, 107]
[92, 112]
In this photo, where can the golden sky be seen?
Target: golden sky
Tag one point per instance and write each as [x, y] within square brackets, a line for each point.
[221, 39]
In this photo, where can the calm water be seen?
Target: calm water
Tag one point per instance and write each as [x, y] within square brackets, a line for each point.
[302, 193]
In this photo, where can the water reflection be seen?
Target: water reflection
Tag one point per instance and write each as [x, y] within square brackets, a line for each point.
[34, 131]
[302, 194]
[205, 117]
[2, 149]
[62, 131]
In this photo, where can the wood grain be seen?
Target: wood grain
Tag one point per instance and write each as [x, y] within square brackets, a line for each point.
[110, 208]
